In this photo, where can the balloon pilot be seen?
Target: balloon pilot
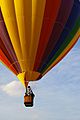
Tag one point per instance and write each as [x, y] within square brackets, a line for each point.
[28, 97]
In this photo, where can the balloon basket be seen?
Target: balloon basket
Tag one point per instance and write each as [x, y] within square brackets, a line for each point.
[28, 100]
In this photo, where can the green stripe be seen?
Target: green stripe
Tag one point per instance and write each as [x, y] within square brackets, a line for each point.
[65, 44]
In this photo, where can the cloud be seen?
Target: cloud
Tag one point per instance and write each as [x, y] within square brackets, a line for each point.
[13, 88]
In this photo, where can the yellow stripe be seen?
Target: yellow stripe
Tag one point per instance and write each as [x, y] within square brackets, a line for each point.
[7, 7]
[23, 10]
[38, 7]
[64, 52]
[21, 77]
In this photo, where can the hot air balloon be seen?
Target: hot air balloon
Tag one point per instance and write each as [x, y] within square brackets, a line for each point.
[35, 35]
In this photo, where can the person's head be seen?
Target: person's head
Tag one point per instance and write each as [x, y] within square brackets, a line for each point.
[28, 86]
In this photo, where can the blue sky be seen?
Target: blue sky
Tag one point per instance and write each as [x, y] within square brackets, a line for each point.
[57, 93]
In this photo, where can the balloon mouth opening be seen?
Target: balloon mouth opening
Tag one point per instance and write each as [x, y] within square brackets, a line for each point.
[26, 77]
[32, 76]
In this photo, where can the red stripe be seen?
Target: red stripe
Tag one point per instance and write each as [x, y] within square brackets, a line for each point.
[50, 14]
[58, 28]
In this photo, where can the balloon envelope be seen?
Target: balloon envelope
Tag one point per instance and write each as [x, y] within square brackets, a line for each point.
[36, 34]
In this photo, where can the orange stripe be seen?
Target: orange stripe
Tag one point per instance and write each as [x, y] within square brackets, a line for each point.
[6, 62]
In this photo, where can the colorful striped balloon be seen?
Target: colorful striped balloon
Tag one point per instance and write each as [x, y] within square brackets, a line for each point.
[36, 34]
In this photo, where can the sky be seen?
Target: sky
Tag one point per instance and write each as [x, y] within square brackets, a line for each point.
[57, 94]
